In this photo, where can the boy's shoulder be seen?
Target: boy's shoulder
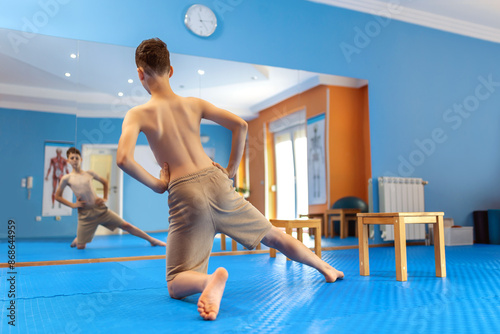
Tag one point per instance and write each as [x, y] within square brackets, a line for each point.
[66, 179]
[147, 106]
[137, 113]
[90, 172]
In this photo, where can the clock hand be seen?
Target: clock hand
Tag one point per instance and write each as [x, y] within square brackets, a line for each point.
[203, 22]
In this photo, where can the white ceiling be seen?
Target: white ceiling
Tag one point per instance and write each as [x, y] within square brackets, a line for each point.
[473, 18]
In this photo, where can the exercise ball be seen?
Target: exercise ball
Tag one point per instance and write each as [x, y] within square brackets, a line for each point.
[351, 202]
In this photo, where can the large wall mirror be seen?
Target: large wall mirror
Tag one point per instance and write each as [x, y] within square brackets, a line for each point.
[62, 92]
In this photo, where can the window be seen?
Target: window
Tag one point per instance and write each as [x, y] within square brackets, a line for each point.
[291, 168]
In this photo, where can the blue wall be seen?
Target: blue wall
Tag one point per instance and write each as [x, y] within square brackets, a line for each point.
[22, 138]
[418, 77]
[22, 147]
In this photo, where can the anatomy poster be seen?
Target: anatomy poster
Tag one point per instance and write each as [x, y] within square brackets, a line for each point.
[316, 159]
[55, 167]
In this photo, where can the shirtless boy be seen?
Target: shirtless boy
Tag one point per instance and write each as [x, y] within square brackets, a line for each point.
[201, 199]
[91, 209]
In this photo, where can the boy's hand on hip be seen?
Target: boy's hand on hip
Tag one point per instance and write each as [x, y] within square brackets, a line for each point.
[79, 203]
[221, 168]
[100, 201]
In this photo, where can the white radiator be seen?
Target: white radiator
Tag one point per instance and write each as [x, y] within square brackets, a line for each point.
[400, 194]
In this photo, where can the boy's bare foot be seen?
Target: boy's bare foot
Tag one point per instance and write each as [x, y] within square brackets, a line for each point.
[73, 244]
[331, 274]
[209, 302]
[156, 242]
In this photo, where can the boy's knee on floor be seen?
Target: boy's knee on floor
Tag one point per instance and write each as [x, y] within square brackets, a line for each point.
[171, 291]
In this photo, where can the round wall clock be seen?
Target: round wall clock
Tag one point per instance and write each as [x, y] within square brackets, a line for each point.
[201, 20]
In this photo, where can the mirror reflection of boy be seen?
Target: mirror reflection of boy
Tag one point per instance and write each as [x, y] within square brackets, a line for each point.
[92, 211]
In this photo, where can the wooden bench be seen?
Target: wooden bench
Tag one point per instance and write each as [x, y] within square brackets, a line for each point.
[299, 224]
[399, 221]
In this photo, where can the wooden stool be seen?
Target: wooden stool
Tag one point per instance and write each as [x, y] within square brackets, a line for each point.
[342, 215]
[399, 221]
[299, 224]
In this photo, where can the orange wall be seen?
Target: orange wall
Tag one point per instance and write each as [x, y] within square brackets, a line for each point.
[349, 142]
[349, 138]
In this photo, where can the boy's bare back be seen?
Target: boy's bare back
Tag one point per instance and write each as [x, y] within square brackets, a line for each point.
[172, 128]
[171, 124]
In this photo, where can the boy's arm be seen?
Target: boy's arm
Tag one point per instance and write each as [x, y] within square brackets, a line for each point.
[238, 128]
[125, 154]
[59, 198]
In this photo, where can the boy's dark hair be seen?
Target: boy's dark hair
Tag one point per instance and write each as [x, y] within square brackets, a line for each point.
[73, 150]
[152, 55]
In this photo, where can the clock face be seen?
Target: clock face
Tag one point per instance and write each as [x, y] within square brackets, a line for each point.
[201, 20]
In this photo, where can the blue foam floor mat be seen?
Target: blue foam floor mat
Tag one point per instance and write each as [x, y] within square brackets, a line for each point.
[265, 295]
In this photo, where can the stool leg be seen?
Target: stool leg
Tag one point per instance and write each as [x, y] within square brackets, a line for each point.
[439, 248]
[324, 230]
[364, 260]
[234, 245]
[272, 252]
[317, 242]
[299, 234]
[328, 226]
[341, 225]
[331, 225]
[222, 242]
[289, 232]
[355, 230]
[400, 248]
[344, 229]
[310, 231]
